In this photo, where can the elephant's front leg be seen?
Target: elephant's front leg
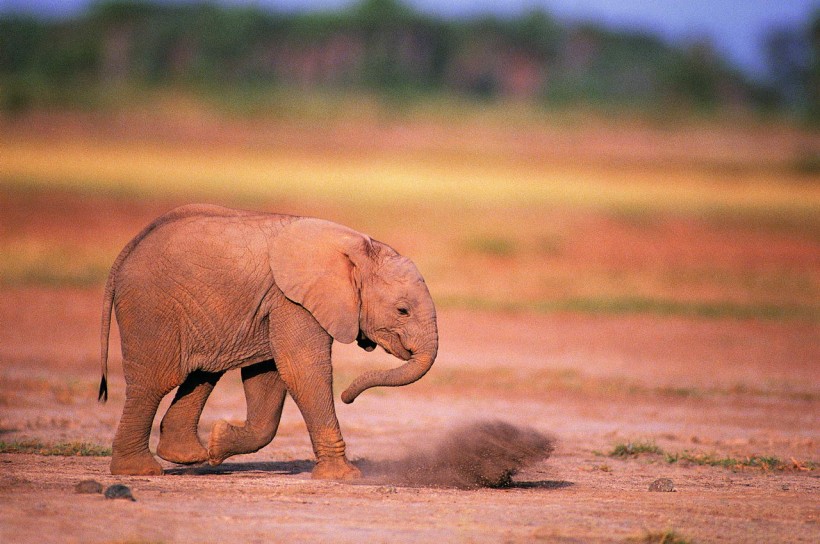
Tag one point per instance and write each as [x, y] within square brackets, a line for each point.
[301, 348]
[265, 395]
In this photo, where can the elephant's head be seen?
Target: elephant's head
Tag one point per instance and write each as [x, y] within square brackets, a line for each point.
[359, 289]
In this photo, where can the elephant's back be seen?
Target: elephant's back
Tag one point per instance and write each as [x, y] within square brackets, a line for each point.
[198, 276]
[197, 244]
[210, 213]
[197, 212]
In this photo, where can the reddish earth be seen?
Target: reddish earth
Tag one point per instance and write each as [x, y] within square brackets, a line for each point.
[732, 388]
[725, 387]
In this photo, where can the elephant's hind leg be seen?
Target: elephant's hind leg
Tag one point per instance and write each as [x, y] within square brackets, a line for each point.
[265, 394]
[178, 440]
[130, 454]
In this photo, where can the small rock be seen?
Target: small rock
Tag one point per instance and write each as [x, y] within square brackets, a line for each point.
[662, 484]
[119, 491]
[386, 489]
[88, 486]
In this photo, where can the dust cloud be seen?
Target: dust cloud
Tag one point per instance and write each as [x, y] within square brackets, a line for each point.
[481, 454]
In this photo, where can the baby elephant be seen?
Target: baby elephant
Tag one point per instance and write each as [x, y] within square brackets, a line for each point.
[205, 289]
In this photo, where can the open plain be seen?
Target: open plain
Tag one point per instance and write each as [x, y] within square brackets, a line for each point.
[650, 299]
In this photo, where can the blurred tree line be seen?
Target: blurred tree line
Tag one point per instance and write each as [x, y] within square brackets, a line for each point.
[387, 47]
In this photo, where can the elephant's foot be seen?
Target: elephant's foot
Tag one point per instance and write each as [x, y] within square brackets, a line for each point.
[227, 440]
[187, 452]
[135, 465]
[335, 468]
[221, 443]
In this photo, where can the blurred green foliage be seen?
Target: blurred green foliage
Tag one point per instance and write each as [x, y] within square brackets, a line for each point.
[386, 47]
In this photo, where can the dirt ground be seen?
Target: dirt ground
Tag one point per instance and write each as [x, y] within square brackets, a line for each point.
[699, 389]
[755, 395]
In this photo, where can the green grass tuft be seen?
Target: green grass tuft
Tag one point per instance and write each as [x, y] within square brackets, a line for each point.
[754, 461]
[632, 449]
[762, 462]
[65, 449]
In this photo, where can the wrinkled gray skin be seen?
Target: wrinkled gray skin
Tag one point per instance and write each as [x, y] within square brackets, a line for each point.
[205, 289]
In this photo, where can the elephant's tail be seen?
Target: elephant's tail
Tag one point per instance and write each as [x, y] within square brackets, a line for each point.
[108, 303]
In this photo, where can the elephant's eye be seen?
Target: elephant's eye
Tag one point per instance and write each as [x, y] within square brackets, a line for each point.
[403, 311]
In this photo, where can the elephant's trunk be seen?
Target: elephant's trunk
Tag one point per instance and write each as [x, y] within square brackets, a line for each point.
[416, 367]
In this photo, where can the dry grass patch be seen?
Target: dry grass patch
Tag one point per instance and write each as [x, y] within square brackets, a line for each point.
[64, 449]
[667, 536]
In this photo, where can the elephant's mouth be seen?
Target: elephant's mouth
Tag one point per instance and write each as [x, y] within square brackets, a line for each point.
[390, 342]
[395, 347]
[365, 343]
[402, 353]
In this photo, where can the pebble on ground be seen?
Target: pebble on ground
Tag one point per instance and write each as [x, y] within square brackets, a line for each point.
[119, 491]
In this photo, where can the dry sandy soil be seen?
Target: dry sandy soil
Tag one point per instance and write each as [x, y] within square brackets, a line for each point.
[723, 388]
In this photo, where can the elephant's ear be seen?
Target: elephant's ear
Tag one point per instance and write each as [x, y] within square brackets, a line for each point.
[313, 263]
